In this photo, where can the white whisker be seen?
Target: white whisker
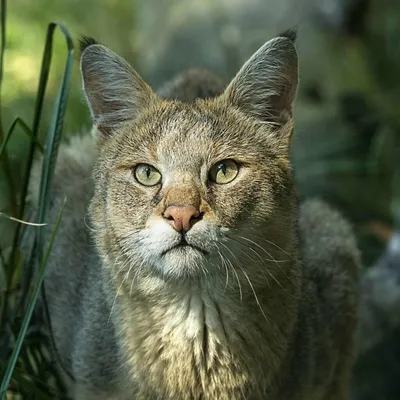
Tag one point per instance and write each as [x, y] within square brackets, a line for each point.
[234, 270]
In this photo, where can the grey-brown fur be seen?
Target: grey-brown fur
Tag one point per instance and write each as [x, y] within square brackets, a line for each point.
[275, 320]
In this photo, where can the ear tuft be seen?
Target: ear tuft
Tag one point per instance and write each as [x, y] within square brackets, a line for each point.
[291, 34]
[86, 41]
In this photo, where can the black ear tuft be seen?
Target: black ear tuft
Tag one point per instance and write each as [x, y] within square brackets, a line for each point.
[86, 41]
[291, 34]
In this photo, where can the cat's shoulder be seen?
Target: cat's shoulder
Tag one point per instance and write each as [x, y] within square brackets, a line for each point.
[323, 228]
[329, 250]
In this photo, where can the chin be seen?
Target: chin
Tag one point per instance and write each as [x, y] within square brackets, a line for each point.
[185, 261]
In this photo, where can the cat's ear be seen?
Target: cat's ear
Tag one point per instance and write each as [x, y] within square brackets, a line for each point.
[114, 91]
[266, 85]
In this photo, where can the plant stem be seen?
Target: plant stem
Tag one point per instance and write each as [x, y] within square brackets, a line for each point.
[6, 160]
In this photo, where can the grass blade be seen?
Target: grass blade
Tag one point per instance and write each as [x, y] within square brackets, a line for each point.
[44, 75]
[52, 141]
[49, 158]
[3, 272]
[55, 131]
[5, 160]
[2, 46]
[50, 155]
[20, 220]
[25, 128]
[28, 314]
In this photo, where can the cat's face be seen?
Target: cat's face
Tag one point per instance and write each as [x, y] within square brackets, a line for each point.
[188, 189]
[205, 158]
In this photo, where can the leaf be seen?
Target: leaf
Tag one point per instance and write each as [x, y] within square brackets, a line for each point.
[28, 314]
[25, 128]
[20, 220]
[9, 313]
[5, 160]
[3, 272]
[54, 134]
[55, 130]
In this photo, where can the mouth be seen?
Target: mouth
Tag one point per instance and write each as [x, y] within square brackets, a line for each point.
[183, 245]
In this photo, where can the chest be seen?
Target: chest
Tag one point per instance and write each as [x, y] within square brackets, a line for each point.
[203, 348]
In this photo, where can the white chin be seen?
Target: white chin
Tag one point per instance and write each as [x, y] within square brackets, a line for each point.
[182, 261]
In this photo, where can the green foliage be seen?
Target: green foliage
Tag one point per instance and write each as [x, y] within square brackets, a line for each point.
[25, 368]
[347, 157]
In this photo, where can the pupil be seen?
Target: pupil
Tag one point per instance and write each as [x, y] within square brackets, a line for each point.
[222, 167]
[148, 171]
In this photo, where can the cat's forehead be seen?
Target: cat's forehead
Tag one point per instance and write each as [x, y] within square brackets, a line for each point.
[178, 135]
[186, 136]
[177, 130]
[180, 124]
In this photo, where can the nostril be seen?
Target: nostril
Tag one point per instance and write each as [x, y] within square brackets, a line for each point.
[182, 218]
[196, 218]
[168, 217]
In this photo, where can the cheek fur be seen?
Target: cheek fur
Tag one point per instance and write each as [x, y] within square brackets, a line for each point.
[244, 200]
[129, 204]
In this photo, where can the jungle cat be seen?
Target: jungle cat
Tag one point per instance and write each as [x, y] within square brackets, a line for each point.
[184, 266]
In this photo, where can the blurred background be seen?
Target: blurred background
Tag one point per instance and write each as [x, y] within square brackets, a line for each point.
[347, 143]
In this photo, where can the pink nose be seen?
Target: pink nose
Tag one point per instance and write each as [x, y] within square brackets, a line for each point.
[182, 218]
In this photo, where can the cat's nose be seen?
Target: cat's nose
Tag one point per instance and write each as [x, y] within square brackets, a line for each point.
[182, 218]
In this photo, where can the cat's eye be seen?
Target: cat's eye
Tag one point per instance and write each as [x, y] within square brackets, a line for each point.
[147, 175]
[224, 171]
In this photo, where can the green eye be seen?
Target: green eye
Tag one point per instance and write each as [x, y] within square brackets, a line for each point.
[224, 172]
[147, 175]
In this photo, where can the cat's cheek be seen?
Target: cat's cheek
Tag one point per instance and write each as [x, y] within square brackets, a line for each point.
[128, 204]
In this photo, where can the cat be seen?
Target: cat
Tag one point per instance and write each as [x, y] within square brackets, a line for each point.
[197, 274]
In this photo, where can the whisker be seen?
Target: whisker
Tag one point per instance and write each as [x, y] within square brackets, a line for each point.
[268, 241]
[251, 285]
[255, 294]
[226, 269]
[120, 267]
[234, 270]
[260, 267]
[117, 293]
[135, 276]
[266, 252]
[249, 247]
[272, 259]
[87, 225]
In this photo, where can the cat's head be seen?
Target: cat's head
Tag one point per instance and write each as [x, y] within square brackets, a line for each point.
[187, 189]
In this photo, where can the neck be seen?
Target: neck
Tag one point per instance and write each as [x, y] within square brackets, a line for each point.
[207, 338]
